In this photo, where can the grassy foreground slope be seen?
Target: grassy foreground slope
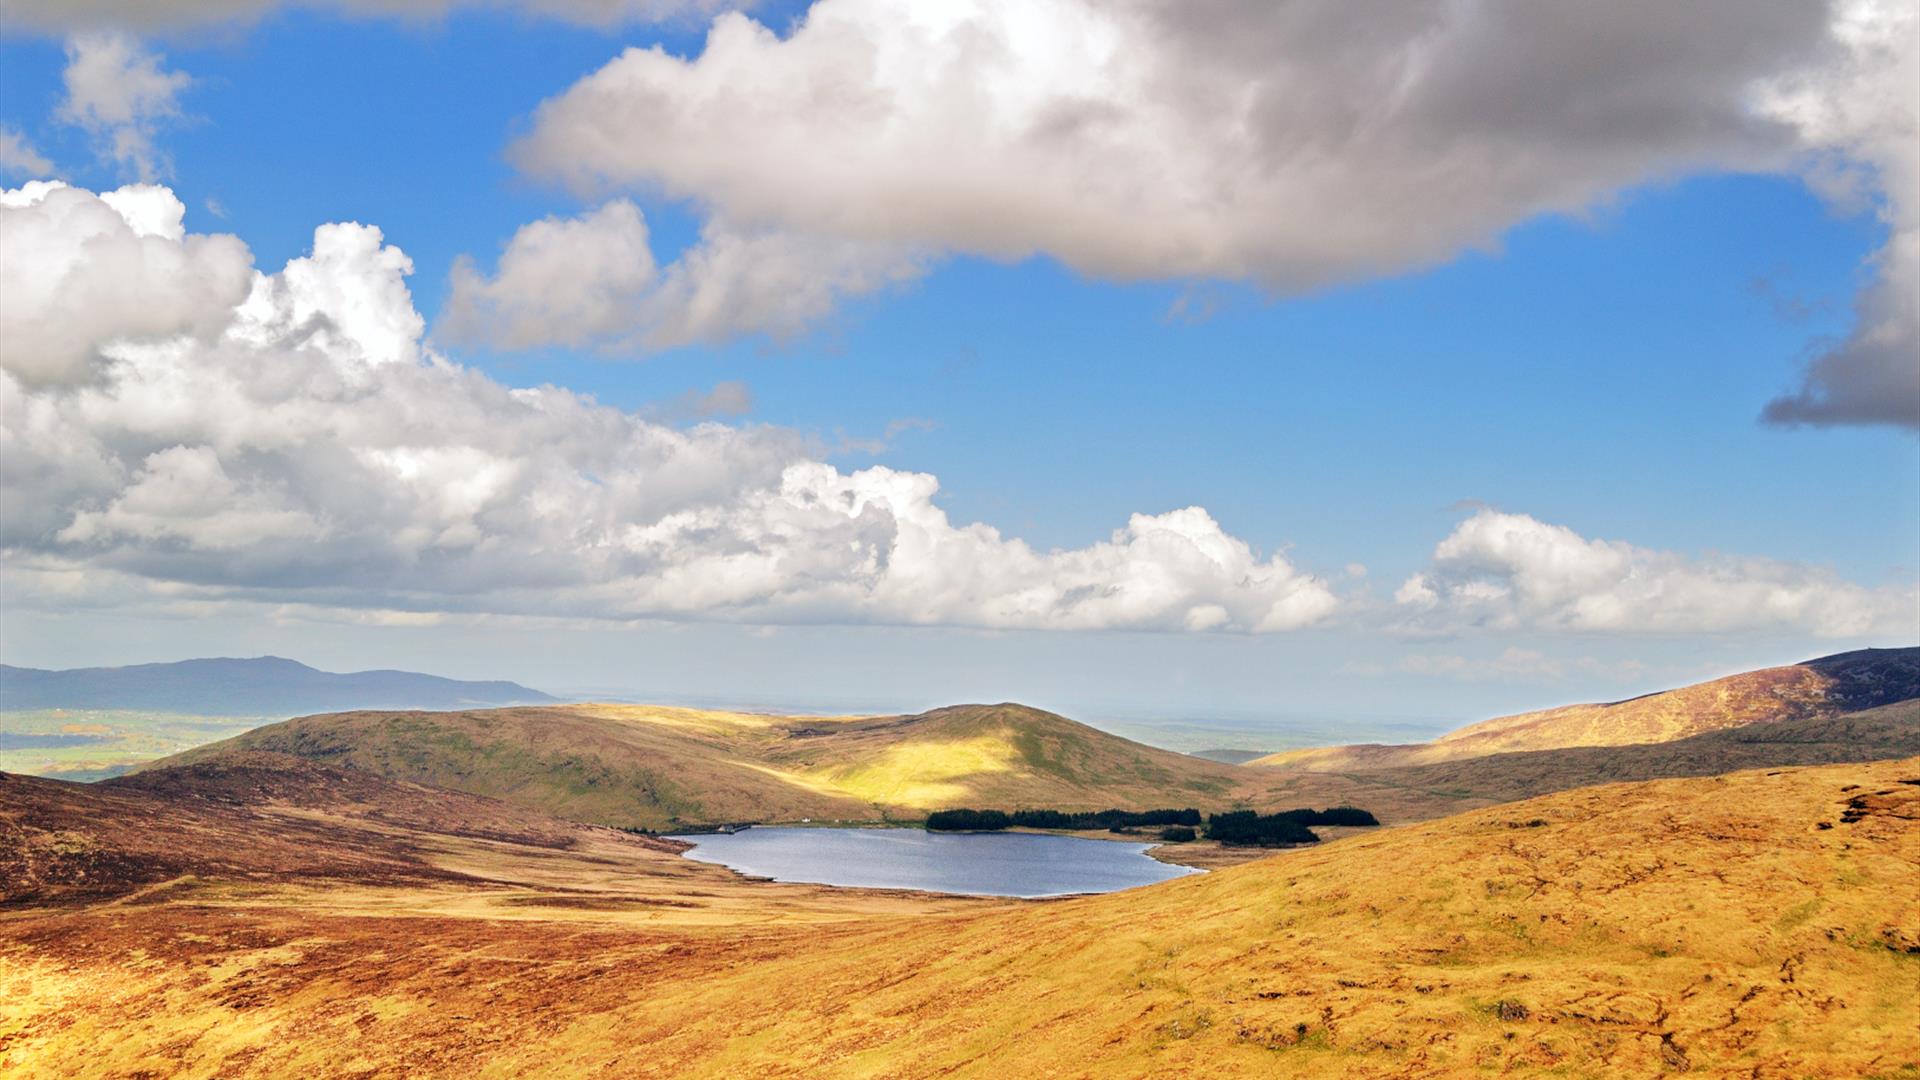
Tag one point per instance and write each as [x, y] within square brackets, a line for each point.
[1625, 930]
[1761, 924]
[661, 768]
[1815, 690]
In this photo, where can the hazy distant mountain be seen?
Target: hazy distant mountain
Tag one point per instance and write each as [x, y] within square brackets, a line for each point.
[261, 686]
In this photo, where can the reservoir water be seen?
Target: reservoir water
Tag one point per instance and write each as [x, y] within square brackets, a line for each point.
[982, 864]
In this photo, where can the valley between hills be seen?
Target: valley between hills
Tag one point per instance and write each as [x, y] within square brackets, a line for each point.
[1722, 880]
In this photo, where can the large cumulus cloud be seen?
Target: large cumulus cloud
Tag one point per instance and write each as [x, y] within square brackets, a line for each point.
[289, 437]
[1511, 572]
[1292, 145]
[80, 271]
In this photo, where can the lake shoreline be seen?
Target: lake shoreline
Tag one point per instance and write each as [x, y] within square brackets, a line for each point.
[1005, 864]
[1193, 854]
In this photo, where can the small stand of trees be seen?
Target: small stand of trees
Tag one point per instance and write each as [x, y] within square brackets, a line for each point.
[1244, 828]
[1240, 827]
[1332, 815]
[1248, 829]
[968, 820]
[1114, 820]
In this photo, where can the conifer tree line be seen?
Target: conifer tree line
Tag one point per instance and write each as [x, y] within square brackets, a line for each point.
[1236, 827]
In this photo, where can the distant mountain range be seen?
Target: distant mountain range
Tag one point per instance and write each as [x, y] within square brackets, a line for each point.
[260, 686]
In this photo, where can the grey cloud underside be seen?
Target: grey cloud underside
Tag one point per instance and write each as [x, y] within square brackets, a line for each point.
[1860, 119]
[1862, 381]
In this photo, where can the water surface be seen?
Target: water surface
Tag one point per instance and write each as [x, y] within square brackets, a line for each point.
[16, 740]
[982, 864]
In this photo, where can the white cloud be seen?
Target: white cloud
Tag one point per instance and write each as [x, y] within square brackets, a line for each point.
[1861, 117]
[776, 282]
[120, 93]
[67, 15]
[1510, 572]
[592, 281]
[1288, 144]
[79, 271]
[309, 449]
[1291, 144]
[560, 281]
[19, 158]
[185, 494]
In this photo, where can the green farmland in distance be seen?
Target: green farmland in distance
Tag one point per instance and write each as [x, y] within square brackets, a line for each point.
[92, 744]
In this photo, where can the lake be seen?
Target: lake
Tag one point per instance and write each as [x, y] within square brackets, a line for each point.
[15, 740]
[1025, 865]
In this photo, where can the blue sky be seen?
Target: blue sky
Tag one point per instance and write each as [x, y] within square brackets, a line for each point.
[1602, 369]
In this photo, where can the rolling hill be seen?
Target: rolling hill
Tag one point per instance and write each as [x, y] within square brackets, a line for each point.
[1764, 923]
[260, 686]
[1815, 690]
[1408, 793]
[260, 827]
[244, 817]
[665, 768]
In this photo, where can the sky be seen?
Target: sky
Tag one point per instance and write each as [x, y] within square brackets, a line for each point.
[1147, 361]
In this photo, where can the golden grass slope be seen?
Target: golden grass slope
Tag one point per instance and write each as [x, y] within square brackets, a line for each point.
[1816, 690]
[664, 768]
[1761, 924]
[1421, 792]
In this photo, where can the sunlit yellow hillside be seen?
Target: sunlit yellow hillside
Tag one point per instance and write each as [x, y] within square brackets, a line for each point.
[1761, 924]
[661, 768]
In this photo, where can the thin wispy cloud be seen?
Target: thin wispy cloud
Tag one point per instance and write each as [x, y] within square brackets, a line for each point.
[19, 158]
[122, 94]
